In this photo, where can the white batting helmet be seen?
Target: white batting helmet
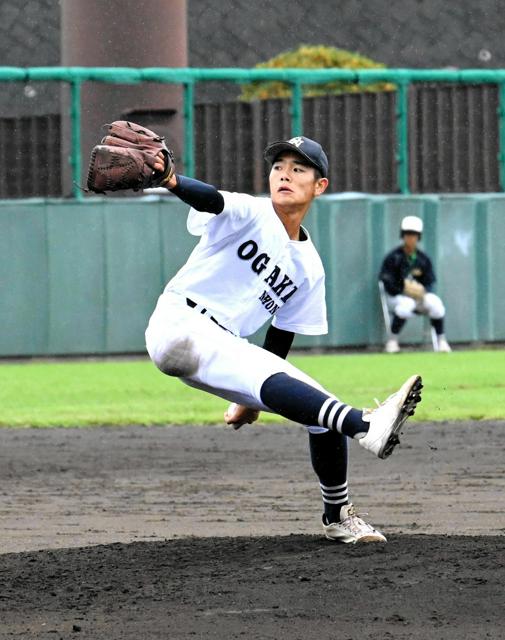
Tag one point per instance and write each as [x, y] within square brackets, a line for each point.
[412, 224]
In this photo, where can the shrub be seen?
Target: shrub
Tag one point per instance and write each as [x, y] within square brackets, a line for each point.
[314, 57]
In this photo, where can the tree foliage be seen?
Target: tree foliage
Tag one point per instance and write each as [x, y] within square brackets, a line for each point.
[314, 57]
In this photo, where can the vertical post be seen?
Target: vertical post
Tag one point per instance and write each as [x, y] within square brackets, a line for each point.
[75, 124]
[402, 136]
[189, 135]
[501, 137]
[296, 109]
[483, 328]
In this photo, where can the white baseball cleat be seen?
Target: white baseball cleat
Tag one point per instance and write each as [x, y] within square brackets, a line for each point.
[392, 346]
[351, 528]
[443, 345]
[388, 418]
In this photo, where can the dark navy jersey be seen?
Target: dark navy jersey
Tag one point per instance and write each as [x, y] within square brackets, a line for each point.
[397, 267]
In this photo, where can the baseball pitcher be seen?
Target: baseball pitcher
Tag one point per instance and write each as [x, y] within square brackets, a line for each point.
[254, 264]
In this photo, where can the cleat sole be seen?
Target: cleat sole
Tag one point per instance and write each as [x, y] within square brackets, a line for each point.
[412, 399]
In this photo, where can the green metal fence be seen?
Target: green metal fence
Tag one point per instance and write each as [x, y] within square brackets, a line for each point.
[188, 77]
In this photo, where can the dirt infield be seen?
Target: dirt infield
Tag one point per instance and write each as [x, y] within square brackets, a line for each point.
[225, 533]
[292, 588]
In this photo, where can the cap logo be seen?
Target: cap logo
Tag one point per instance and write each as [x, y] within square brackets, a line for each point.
[296, 141]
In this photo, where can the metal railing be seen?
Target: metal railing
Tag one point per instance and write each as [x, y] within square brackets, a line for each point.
[188, 77]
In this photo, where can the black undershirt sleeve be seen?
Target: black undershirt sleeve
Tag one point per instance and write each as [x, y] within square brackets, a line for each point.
[199, 195]
[278, 341]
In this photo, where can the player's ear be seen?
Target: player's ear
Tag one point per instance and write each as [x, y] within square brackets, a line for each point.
[320, 186]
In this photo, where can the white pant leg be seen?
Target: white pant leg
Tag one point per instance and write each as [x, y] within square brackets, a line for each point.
[188, 345]
[433, 306]
[402, 306]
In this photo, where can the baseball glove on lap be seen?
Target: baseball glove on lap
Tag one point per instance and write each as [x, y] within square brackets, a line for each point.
[125, 159]
[413, 289]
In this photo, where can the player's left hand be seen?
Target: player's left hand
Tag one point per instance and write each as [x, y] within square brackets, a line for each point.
[237, 415]
[159, 166]
[159, 163]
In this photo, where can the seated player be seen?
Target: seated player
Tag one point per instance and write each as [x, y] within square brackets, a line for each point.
[408, 277]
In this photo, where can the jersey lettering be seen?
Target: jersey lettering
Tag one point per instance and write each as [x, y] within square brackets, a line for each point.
[274, 274]
[269, 303]
[247, 250]
[278, 281]
[288, 295]
[279, 288]
[259, 263]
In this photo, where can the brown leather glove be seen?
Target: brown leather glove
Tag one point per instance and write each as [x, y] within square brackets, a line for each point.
[414, 289]
[125, 159]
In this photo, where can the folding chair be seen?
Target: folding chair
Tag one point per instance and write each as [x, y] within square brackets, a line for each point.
[428, 330]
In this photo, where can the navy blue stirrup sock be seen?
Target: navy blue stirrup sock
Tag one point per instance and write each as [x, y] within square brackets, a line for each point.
[299, 402]
[397, 324]
[438, 325]
[328, 454]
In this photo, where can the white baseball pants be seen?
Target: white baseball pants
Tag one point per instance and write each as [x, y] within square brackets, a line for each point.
[184, 343]
[405, 307]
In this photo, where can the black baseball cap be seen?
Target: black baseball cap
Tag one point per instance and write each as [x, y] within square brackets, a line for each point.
[309, 149]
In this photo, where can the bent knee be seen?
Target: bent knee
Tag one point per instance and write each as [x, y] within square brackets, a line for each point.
[177, 358]
[434, 306]
[405, 309]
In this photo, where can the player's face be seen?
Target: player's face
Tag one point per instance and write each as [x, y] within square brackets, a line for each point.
[294, 183]
[410, 241]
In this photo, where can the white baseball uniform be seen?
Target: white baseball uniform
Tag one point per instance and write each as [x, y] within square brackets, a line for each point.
[244, 272]
[405, 307]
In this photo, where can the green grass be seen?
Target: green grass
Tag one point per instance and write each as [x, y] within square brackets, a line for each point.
[461, 385]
